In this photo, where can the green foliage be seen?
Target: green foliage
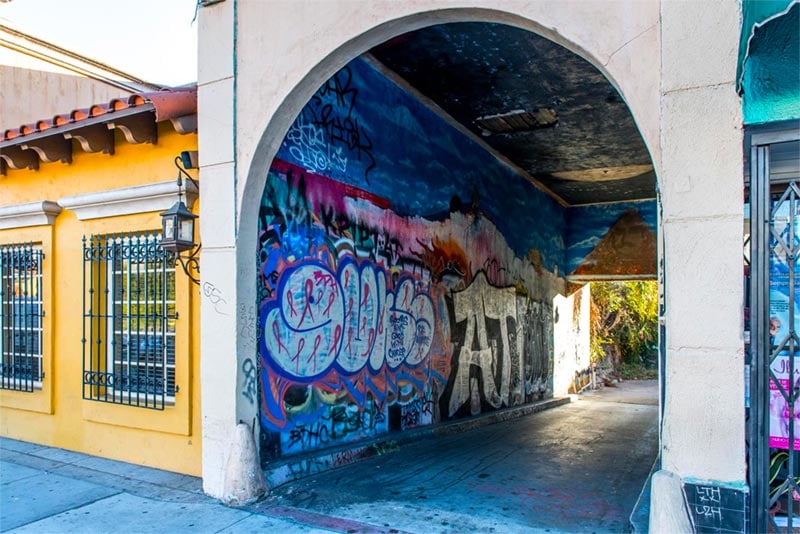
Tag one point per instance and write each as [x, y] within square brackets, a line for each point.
[625, 314]
[638, 371]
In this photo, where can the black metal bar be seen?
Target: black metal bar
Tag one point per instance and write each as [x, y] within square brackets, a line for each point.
[3, 314]
[130, 275]
[26, 356]
[20, 333]
[759, 453]
[83, 326]
[791, 388]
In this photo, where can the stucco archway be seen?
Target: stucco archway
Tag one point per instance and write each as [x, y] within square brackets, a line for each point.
[265, 60]
[622, 55]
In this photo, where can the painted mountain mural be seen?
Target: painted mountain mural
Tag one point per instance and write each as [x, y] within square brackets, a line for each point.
[629, 247]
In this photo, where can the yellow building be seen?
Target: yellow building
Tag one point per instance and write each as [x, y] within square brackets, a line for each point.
[100, 343]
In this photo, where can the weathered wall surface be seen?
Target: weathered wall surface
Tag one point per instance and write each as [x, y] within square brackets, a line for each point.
[405, 275]
[46, 93]
[571, 351]
[701, 195]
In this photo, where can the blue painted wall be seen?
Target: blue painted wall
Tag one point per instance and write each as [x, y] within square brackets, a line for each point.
[374, 135]
[587, 226]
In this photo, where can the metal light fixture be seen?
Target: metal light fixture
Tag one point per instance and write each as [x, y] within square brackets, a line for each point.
[178, 225]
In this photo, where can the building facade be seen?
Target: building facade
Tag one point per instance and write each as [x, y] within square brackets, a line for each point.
[100, 348]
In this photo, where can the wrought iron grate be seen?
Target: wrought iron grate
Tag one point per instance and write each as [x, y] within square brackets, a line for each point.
[21, 314]
[129, 320]
[774, 343]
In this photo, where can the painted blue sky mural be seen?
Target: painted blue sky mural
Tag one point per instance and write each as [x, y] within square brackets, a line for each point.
[588, 225]
[364, 130]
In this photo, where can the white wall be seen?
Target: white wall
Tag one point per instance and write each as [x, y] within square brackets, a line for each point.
[701, 186]
[571, 348]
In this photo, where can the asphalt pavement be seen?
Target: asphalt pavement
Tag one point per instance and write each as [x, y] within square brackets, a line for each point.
[576, 468]
[579, 467]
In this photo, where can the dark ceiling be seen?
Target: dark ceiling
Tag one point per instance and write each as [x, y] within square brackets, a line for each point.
[594, 153]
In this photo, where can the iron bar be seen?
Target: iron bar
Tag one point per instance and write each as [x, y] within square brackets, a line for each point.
[135, 278]
[21, 311]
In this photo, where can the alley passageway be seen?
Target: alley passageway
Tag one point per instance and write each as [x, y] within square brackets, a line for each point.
[576, 468]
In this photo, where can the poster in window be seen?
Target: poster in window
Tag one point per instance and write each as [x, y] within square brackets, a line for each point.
[780, 414]
[783, 243]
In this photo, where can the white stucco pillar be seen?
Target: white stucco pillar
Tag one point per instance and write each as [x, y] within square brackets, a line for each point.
[701, 185]
[225, 323]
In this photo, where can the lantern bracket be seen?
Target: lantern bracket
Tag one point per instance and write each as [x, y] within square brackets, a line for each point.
[192, 261]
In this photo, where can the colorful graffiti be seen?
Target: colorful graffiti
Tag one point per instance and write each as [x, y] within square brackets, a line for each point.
[327, 132]
[390, 295]
[348, 319]
[363, 130]
[371, 322]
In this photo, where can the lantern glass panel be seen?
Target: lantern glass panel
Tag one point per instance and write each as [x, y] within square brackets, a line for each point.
[169, 229]
[186, 232]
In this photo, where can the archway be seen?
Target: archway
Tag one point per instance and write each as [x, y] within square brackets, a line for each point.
[369, 318]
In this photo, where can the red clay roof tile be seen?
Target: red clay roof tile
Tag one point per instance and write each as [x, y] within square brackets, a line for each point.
[167, 104]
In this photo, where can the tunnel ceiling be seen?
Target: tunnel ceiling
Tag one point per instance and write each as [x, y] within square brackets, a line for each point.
[544, 108]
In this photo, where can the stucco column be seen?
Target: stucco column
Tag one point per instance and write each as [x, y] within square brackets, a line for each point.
[701, 186]
[228, 395]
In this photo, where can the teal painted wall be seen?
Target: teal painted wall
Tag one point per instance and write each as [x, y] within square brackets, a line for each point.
[771, 84]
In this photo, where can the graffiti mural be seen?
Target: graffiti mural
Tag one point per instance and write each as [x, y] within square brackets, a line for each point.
[390, 293]
[371, 322]
[348, 319]
[502, 347]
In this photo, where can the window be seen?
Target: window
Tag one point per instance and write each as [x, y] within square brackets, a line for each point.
[129, 321]
[21, 315]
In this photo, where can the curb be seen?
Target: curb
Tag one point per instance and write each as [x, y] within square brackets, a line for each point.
[640, 516]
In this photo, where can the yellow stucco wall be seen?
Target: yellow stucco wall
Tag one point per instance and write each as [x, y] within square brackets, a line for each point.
[57, 415]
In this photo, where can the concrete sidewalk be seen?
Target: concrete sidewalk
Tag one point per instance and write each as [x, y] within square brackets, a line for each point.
[43, 489]
[578, 467]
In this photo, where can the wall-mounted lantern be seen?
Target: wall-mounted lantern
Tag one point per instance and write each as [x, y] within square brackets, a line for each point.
[178, 225]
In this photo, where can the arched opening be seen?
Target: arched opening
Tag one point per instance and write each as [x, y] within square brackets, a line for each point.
[422, 227]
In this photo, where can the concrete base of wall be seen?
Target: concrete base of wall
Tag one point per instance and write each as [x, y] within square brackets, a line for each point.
[668, 512]
[244, 481]
[640, 517]
[299, 466]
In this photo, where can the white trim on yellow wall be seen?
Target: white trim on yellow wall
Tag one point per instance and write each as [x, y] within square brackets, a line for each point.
[128, 200]
[30, 214]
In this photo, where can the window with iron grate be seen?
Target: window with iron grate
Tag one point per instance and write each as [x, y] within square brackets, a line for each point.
[129, 321]
[21, 313]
